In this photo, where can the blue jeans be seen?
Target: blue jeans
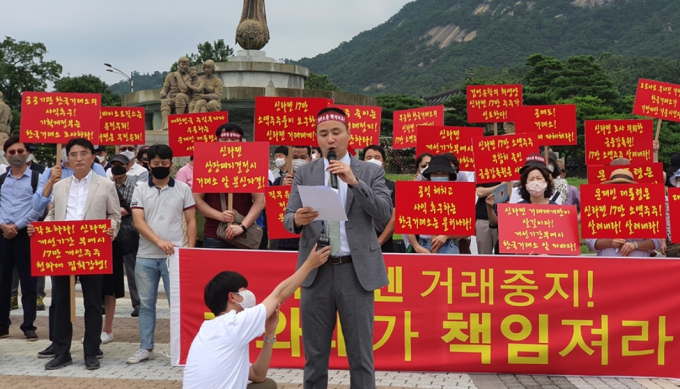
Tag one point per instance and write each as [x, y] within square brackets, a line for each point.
[450, 247]
[148, 272]
[212, 243]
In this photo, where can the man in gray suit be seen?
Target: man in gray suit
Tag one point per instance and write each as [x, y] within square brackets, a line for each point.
[345, 284]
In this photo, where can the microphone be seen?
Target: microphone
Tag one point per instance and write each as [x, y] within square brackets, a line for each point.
[331, 156]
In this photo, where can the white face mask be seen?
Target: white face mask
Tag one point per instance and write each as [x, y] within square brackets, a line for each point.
[101, 159]
[439, 179]
[536, 188]
[31, 158]
[375, 162]
[298, 163]
[64, 156]
[279, 162]
[129, 154]
[315, 156]
[551, 168]
[248, 299]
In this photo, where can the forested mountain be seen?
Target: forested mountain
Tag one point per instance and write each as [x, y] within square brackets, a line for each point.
[432, 43]
[142, 82]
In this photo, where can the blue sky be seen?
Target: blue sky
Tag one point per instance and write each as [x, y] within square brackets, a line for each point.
[149, 35]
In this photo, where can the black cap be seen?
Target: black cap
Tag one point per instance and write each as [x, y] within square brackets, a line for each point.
[534, 159]
[120, 158]
[675, 161]
[440, 163]
[99, 148]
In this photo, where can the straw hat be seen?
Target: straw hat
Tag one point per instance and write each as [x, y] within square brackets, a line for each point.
[621, 176]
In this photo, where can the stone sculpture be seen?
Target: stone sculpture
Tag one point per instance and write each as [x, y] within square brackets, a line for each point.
[5, 116]
[211, 98]
[175, 92]
[252, 32]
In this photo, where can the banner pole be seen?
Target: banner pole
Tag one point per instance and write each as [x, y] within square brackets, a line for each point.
[289, 161]
[658, 130]
[495, 129]
[545, 151]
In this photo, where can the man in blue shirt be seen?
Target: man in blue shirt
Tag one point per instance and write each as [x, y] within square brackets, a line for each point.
[17, 210]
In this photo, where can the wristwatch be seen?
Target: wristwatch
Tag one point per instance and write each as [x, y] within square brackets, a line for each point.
[636, 245]
[269, 341]
[244, 228]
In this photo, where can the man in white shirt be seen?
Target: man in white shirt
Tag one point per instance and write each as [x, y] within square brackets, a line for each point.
[219, 356]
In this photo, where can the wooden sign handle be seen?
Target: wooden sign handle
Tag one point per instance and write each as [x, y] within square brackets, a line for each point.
[658, 130]
[546, 152]
[58, 154]
[495, 129]
[230, 202]
[289, 160]
[73, 299]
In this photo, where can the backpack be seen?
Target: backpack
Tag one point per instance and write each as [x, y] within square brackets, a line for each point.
[35, 179]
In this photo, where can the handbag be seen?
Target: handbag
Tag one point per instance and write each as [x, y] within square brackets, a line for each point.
[248, 240]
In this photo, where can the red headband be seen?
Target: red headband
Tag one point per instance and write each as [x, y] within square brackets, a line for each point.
[332, 116]
[230, 135]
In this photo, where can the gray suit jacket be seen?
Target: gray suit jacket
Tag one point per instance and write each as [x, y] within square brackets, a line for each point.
[368, 201]
[102, 201]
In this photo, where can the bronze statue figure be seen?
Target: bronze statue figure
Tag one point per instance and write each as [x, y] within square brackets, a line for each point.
[175, 93]
[5, 117]
[210, 99]
[252, 32]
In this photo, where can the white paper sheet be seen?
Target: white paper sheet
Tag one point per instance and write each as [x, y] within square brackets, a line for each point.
[324, 200]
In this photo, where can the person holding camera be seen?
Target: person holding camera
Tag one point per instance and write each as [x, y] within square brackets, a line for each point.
[355, 268]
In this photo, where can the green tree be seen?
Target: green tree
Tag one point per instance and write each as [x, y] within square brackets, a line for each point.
[88, 84]
[320, 82]
[218, 51]
[23, 68]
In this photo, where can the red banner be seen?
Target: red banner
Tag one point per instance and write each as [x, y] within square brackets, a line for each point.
[555, 125]
[231, 167]
[288, 121]
[276, 200]
[122, 126]
[364, 125]
[674, 212]
[607, 140]
[457, 140]
[499, 158]
[50, 117]
[493, 314]
[493, 103]
[538, 229]
[405, 122]
[658, 100]
[435, 208]
[635, 211]
[71, 248]
[650, 173]
[187, 129]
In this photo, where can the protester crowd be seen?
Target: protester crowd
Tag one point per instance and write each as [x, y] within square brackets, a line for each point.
[152, 213]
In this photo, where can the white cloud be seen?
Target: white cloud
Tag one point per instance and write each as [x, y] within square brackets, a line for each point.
[149, 35]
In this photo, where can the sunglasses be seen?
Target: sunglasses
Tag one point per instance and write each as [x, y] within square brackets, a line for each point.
[130, 148]
[424, 165]
[16, 151]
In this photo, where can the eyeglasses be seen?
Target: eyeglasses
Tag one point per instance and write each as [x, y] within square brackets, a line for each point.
[16, 151]
[130, 148]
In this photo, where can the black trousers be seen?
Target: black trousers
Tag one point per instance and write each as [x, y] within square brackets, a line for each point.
[61, 329]
[16, 252]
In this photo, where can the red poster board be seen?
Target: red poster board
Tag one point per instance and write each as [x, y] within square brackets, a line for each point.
[231, 167]
[650, 173]
[457, 140]
[187, 129]
[658, 100]
[51, 117]
[674, 211]
[122, 126]
[276, 200]
[485, 314]
[636, 211]
[493, 103]
[499, 158]
[364, 125]
[71, 248]
[607, 140]
[288, 121]
[405, 123]
[435, 208]
[555, 125]
[538, 229]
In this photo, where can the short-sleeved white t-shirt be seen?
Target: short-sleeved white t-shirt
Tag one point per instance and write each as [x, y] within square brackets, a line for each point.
[219, 355]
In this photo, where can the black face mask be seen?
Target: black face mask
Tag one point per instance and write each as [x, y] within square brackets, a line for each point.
[118, 170]
[160, 172]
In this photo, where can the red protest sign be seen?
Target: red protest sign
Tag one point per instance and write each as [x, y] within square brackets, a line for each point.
[607, 140]
[50, 117]
[276, 201]
[231, 167]
[499, 158]
[674, 212]
[435, 208]
[122, 126]
[71, 248]
[288, 121]
[456, 140]
[538, 229]
[187, 129]
[555, 125]
[405, 123]
[658, 100]
[364, 125]
[493, 103]
[635, 211]
[650, 173]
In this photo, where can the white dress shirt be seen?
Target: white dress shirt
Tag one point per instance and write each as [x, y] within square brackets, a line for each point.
[342, 192]
[77, 197]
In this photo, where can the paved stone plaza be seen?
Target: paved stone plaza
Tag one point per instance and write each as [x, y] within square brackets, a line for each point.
[20, 368]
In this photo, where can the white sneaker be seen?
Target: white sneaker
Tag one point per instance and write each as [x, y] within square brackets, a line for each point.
[139, 356]
[106, 338]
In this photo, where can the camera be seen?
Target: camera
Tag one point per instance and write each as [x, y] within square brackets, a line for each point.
[323, 241]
